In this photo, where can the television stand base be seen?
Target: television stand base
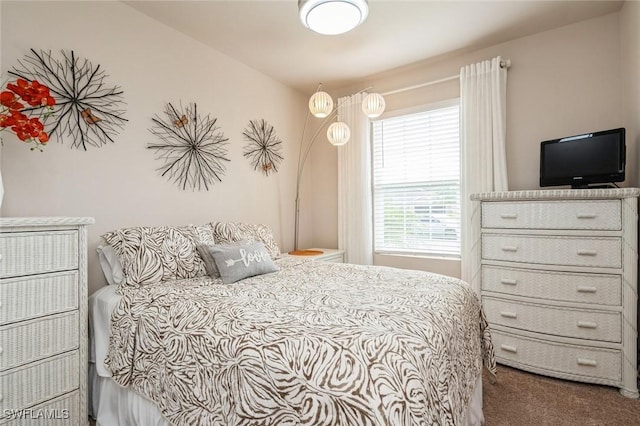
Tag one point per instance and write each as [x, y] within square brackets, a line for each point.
[604, 186]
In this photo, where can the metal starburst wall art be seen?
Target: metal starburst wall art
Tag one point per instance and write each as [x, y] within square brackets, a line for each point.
[264, 148]
[87, 110]
[193, 148]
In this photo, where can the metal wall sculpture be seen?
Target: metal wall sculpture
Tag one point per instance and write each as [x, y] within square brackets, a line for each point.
[193, 148]
[264, 148]
[88, 111]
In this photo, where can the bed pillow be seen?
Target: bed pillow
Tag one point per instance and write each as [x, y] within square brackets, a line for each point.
[207, 257]
[231, 232]
[239, 261]
[111, 266]
[162, 253]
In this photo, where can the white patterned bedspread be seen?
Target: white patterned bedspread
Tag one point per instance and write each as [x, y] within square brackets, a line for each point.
[315, 344]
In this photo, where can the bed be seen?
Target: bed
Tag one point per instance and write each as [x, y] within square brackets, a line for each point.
[310, 343]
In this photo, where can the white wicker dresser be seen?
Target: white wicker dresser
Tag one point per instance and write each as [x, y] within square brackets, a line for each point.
[558, 275]
[43, 321]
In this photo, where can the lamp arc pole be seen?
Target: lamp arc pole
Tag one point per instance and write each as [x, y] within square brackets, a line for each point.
[302, 159]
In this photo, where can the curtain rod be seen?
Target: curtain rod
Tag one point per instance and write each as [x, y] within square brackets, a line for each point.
[505, 63]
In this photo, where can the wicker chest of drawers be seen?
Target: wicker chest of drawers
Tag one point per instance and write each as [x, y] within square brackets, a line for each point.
[43, 321]
[558, 277]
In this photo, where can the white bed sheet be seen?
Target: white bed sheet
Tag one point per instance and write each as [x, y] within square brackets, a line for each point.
[101, 304]
[111, 404]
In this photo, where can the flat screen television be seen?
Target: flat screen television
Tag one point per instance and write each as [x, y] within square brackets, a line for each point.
[583, 160]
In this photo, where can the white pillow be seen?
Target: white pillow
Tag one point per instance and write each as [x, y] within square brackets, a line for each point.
[111, 266]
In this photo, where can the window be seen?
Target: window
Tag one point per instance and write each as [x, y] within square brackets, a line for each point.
[416, 182]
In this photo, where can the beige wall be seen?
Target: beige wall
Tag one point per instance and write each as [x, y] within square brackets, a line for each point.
[562, 82]
[630, 43]
[118, 184]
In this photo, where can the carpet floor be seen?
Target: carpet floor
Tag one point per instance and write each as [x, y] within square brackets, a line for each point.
[519, 398]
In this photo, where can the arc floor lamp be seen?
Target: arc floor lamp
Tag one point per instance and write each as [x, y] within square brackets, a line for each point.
[338, 133]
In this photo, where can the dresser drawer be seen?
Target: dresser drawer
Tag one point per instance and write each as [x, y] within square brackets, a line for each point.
[28, 341]
[605, 252]
[38, 382]
[599, 289]
[35, 296]
[28, 253]
[576, 214]
[61, 411]
[553, 320]
[555, 357]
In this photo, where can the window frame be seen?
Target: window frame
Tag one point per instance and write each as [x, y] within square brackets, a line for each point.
[398, 113]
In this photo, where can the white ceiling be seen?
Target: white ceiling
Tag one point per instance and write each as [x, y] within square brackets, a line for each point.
[268, 36]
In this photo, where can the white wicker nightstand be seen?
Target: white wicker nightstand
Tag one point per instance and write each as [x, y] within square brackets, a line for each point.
[43, 320]
[558, 273]
[328, 255]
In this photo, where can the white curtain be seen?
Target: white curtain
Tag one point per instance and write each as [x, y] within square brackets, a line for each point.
[355, 230]
[483, 99]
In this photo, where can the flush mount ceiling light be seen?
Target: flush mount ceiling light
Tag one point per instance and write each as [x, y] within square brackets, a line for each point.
[332, 17]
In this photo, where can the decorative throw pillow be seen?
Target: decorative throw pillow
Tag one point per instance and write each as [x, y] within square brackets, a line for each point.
[207, 256]
[236, 262]
[204, 250]
[230, 232]
[153, 254]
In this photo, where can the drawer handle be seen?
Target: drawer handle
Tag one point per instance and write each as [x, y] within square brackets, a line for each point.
[510, 248]
[509, 348]
[508, 281]
[587, 324]
[587, 362]
[587, 253]
[509, 216]
[586, 216]
[509, 314]
[585, 289]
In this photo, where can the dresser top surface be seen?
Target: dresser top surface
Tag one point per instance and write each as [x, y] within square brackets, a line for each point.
[8, 222]
[558, 194]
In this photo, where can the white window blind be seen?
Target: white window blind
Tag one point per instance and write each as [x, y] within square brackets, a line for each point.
[416, 182]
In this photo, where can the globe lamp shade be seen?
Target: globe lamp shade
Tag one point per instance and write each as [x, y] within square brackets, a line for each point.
[320, 104]
[338, 133]
[373, 105]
